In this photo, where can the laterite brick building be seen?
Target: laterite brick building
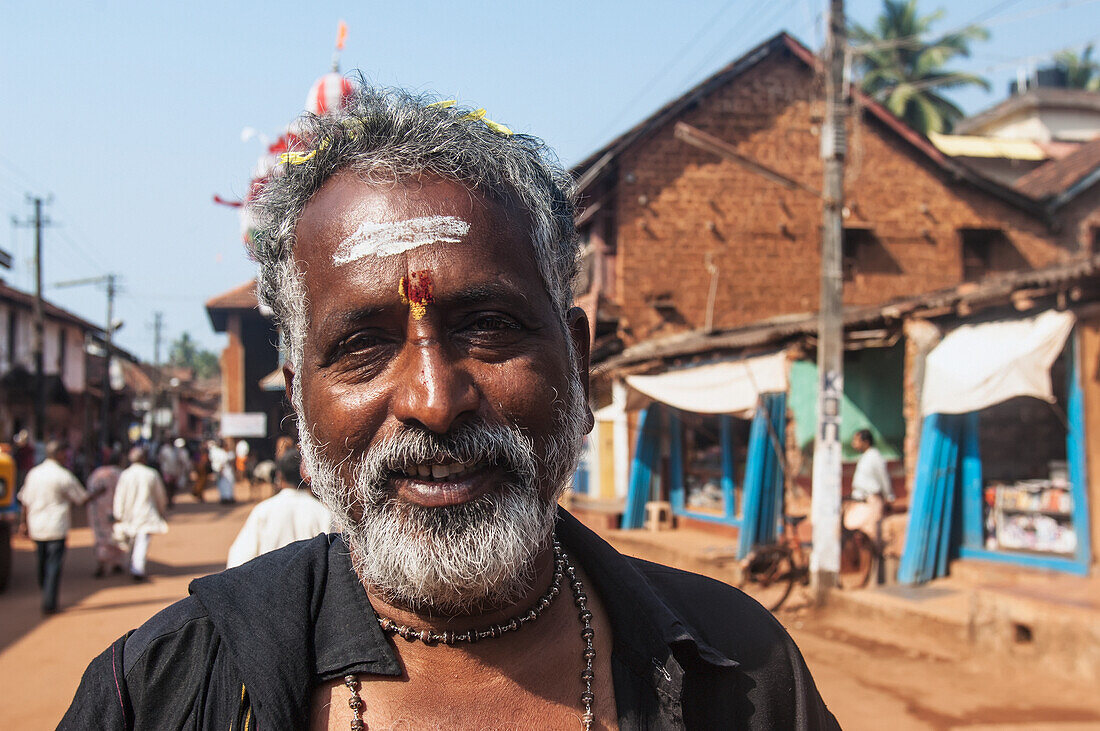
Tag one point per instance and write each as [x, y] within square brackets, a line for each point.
[701, 240]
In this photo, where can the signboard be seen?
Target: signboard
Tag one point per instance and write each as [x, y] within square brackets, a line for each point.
[246, 424]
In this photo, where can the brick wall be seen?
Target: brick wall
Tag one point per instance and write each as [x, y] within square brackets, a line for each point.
[676, 205]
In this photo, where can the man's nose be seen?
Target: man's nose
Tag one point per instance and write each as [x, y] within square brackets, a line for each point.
[433, 388]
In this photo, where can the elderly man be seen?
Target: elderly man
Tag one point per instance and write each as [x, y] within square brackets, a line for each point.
[420, 260]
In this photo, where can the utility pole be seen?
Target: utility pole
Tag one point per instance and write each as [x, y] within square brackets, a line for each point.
[111, 280]
[38, 222]
[825, 507]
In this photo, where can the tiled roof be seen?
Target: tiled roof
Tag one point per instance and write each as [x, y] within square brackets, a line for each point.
[51, 311]
[242, 297]
[1059, 176]
[593, 167]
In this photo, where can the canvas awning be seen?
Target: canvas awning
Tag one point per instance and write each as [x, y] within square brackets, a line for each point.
[977, 366]
[727, 387]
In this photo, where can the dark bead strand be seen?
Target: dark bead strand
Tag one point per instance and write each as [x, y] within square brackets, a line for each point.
[543, 603]
[355, 703]
[588, 634]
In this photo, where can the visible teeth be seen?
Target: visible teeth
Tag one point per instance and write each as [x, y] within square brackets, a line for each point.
[423, 470]
[439, 471]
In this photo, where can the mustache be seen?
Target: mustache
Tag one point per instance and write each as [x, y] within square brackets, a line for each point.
[499, 445]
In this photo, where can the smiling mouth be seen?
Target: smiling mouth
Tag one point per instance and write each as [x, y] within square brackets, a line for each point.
[434, 485]
[448, 472]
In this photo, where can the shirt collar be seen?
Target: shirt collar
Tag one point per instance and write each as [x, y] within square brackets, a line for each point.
[645, 628]
[346, 635]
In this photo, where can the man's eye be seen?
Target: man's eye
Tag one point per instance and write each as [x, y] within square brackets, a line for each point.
[493, 323]
[358, 342]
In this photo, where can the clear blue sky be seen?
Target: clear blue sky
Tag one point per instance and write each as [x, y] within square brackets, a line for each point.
[130, 113]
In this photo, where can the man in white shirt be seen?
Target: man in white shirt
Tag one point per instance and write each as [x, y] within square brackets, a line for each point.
[871, 487]
[47, 496]
[140, 505]
[293, 514]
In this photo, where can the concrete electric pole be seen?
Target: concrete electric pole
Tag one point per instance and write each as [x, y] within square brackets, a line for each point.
[825, 508]
[38, 222]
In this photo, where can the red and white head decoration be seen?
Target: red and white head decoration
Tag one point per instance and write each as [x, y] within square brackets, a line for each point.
[329, 93]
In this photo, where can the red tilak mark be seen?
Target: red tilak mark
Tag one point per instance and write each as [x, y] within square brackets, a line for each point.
[417, 291]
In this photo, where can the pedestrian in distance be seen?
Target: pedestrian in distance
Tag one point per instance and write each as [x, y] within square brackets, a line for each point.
[47, 496]
[183, 464]
[420, 261]
[101, 499]
[139, 508]
[292, 514]
[168, 463]
[871, 488]
[221, 463]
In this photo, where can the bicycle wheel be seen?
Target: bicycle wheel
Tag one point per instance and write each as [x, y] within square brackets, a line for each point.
[857, 560]
[768, 576]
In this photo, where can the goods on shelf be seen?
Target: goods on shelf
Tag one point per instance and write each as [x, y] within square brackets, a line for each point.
[1031, 515]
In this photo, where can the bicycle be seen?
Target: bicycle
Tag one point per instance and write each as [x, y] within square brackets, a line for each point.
[770, 572]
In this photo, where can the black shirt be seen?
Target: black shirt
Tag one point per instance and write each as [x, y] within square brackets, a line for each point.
[249, 644]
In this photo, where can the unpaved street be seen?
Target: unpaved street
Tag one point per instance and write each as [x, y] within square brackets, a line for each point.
[867, 685]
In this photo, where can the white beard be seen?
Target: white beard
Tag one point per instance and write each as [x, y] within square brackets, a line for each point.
[459, 559]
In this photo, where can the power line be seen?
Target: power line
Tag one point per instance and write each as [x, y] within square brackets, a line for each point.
[665, 68]
[724, 46]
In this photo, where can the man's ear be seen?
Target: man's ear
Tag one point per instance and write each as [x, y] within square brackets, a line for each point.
[581, 336]
[288, 380]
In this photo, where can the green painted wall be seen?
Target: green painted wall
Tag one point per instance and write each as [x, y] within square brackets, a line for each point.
[873, 387]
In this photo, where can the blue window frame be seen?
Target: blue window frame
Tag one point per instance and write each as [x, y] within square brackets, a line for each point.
[727, 485]
[950, 455]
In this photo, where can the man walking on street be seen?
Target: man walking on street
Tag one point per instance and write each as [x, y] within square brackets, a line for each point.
[140, 505]
[47, 496]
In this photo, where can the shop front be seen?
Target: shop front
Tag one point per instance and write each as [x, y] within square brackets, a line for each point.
[710, 442]
[1001, 472]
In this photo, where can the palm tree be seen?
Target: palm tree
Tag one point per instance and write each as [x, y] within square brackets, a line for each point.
[903, 67]
[1081, 71]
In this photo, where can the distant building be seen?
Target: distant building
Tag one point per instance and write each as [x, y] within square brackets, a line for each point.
[1041, 114]
[251, 356]
[71, 411]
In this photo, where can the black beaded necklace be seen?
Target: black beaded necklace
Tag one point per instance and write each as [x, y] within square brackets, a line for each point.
[563, 568]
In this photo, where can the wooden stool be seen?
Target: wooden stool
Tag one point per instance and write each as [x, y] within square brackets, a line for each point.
[658, 515]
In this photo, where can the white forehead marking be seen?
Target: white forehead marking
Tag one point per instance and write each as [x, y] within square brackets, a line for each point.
[387, 239]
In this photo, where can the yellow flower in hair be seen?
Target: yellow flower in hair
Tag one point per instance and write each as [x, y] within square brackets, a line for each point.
[300, 158]
[478, 115]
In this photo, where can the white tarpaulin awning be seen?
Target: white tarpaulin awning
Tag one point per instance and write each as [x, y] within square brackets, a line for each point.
[976, 366]
[729, 387]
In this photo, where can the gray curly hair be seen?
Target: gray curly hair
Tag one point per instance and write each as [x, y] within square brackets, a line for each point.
[386, 136]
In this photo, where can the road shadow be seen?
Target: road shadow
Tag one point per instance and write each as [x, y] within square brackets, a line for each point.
[20, 605]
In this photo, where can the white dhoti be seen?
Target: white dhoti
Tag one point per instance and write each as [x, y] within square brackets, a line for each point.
[865, 515]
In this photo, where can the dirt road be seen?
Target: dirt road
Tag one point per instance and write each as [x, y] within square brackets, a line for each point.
[867, 685]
